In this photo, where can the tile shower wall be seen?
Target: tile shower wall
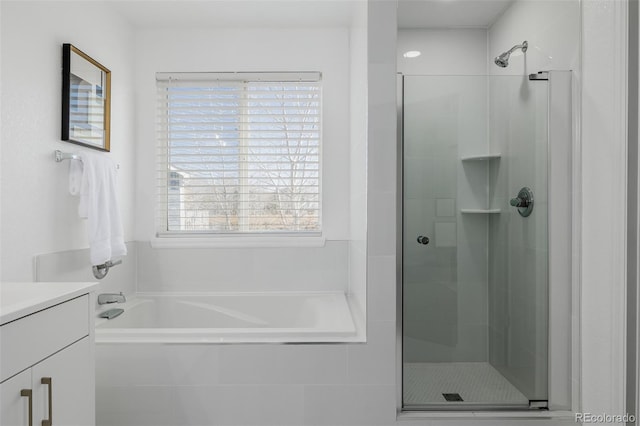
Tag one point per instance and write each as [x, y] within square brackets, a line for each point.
[445, 286]
[552, 29]
[445, 119]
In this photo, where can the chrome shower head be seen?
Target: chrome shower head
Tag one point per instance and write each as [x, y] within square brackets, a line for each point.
[502, 60]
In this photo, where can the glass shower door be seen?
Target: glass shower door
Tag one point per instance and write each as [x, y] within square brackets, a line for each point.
[474, 330]
[518, 244]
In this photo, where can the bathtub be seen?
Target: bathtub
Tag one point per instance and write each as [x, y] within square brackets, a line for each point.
[229, 318]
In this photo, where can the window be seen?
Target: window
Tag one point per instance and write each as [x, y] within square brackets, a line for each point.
[239, 153]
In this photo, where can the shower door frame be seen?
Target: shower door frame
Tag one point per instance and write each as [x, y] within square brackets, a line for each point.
[563, 362]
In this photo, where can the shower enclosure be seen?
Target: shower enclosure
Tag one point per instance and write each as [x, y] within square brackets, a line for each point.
[486, 178]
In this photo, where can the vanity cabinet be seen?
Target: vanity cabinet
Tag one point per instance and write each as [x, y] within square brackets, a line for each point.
[47, 374]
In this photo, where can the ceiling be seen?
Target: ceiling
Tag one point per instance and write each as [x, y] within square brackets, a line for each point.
[236, 13]
[450, 13]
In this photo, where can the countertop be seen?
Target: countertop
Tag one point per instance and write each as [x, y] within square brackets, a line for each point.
[24, 298]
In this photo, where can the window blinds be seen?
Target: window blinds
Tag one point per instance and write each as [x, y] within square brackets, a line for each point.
[239, 153]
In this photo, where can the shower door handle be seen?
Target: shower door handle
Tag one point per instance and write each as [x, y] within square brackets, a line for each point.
[423, 240]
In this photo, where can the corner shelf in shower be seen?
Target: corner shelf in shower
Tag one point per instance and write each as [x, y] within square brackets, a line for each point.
[480, 211]
[484, 157]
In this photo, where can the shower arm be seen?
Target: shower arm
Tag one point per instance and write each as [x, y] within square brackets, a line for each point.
[524, 46]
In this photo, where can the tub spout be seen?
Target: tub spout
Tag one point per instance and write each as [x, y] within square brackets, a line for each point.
[105, 298]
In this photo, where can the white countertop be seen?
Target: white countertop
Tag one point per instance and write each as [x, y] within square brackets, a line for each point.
[20, 299]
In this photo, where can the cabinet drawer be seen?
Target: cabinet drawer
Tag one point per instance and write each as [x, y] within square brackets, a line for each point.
[30, 339]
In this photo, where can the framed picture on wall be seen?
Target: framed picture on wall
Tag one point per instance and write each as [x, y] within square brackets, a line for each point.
[86, 99]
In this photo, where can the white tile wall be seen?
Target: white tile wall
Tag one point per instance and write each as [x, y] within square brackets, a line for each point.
[349, 405]
[241, 405]
[259, 269]
[552, 29]
[445, 119]
[135, 405]
[445, 207]
[459, 51]
[283, 364]
[445, 234]
[358, 162]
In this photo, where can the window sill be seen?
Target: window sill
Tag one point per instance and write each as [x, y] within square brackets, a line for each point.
[237, 241]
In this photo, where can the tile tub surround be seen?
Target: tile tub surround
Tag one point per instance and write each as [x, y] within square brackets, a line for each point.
[263, 384]
[243, 269]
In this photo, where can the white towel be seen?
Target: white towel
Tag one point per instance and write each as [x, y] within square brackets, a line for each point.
[94, 179]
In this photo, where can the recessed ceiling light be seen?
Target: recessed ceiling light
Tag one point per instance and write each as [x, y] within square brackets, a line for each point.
[412, 54]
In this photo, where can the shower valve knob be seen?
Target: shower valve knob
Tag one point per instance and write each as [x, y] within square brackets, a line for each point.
[523, 202]
[423, 240]
[519, 202]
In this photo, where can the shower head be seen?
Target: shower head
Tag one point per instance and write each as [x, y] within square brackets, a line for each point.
[502, 60]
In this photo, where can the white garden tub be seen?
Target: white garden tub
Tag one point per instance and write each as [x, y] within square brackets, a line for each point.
[229, 318]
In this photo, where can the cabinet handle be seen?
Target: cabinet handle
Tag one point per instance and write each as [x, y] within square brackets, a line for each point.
[47, 381]
[28, 393]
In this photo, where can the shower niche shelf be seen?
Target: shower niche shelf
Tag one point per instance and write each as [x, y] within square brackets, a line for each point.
[484, 157]
[480, 211]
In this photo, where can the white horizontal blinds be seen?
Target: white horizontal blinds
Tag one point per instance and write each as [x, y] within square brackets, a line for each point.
[239, 155]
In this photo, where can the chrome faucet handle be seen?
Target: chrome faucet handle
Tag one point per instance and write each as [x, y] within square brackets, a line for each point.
[519, 202]
[523, 202]
[100, 271]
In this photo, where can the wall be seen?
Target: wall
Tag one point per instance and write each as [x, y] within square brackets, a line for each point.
[324, 50]
[358, 159]
[444, 51]
[38, 214]
[70, 265]
[552, 29]
[244, 269]
[445, 118]
[603, 106]
[249, 49]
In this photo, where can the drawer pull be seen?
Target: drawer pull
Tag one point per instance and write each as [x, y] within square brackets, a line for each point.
[28, 393]
[47, 381]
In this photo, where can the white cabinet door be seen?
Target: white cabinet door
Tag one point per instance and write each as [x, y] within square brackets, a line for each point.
[72, 387]
[14, 408]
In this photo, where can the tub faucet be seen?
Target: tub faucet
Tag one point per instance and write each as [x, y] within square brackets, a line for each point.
[105, 298]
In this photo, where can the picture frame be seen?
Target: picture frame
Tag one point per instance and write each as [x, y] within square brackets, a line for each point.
[86, 100]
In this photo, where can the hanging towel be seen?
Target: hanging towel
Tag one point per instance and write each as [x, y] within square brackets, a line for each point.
[93, 178]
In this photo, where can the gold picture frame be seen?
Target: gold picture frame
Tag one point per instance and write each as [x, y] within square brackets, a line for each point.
[86, 100]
